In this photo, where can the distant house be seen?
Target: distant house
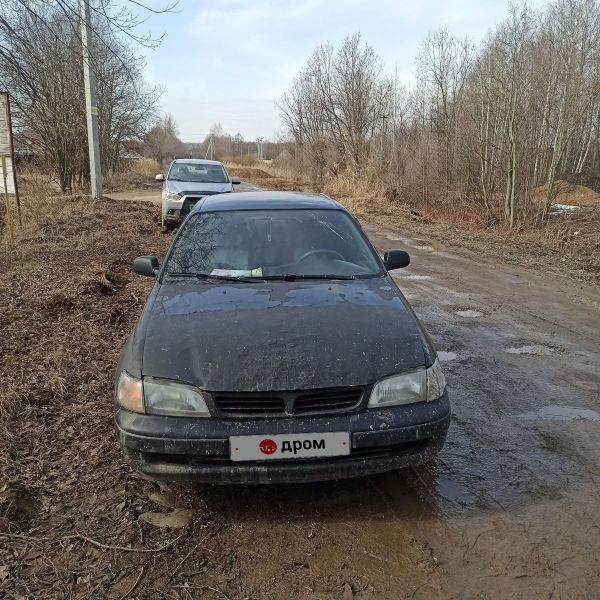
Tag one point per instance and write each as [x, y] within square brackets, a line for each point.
[131, 150]
[24, 147]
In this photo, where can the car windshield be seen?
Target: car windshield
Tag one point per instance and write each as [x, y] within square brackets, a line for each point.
[201, 173]
[273, 243]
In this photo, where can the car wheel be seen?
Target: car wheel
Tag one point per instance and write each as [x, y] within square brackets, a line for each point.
[165, 224]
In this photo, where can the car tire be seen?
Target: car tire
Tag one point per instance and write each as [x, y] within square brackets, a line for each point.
[166, 225]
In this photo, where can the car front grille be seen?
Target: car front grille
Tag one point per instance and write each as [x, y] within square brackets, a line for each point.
[249, 405]
[190, 201]
[325, 401]
[337, 400]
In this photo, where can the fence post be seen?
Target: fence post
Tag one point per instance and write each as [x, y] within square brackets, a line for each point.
[9, 228]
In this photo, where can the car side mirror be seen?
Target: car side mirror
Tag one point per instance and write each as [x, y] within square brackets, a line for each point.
[160, 177]
[236, 180]
[396, 259]
[146, 265]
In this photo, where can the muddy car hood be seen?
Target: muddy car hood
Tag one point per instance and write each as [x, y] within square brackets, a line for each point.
[194, 187]
[279, 335]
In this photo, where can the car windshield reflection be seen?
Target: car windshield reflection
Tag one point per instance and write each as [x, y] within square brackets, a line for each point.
[273, 244]
[199, 173]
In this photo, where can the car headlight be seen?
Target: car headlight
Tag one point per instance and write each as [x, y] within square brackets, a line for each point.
[172, 196]
[436, 382]
[164, 397]
[129, 393]
[417, 385]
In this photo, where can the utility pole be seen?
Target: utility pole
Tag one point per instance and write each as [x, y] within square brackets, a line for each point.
[11, 151]
[91, 103]
[395, 109]
[209, 148]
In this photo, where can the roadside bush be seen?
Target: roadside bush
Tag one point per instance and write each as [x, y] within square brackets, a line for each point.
[243, 160]
[147, 167]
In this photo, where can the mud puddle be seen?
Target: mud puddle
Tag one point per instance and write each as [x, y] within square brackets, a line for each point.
[538, 349]
[469, 314]
[555, 412]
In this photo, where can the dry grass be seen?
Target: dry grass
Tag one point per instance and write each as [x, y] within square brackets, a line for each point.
[62, 263]
[146, 167]
[568, 193]
[39, 191]
[259, 170]
[138, 174]
[243, 160]
[247, 172]
[69, 299]
[34, 181]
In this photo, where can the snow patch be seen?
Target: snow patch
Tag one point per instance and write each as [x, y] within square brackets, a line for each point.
[534, 349]
[555, 412]
[416, 277]
[471, 314]
[445, 356]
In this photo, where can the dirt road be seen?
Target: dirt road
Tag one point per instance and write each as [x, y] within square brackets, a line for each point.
[152, 194]
[511, 509]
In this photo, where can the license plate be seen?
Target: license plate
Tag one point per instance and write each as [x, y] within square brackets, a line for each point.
[286, 446]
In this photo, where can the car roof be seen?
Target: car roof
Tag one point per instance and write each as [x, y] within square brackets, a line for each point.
[266, 201]
[198, 161]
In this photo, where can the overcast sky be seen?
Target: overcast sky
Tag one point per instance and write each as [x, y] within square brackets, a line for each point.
[228, 61]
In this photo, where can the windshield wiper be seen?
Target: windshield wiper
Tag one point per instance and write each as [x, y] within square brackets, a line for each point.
[207, 276]
[292, 277]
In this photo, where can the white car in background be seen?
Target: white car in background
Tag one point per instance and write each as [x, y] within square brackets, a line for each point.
[187, 180]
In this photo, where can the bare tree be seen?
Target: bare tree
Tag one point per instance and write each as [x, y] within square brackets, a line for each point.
[491, 129]
[334, 108]
[41, 65]
[444, 63]
[162, 141]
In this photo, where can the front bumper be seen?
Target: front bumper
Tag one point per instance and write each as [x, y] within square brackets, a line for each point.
[171, 211]
[178, 448]
[172, 217]
[174, 211]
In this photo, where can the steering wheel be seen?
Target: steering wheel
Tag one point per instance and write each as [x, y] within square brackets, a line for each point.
[319, 251]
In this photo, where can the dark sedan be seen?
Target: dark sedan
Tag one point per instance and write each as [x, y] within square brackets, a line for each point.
[275, 347]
